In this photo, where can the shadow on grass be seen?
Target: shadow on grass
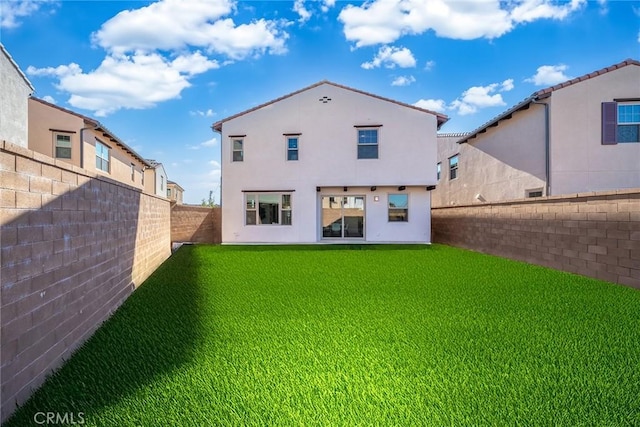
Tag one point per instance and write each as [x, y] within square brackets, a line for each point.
[156, 331]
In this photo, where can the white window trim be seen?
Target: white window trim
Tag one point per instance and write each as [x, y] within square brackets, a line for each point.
[389, 208]
[457, 168]
[108, 158]
[55, 144]
[256, 208]
[359, 144]
[233, 150]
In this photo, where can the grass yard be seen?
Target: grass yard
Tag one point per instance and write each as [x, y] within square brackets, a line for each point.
[384, 335]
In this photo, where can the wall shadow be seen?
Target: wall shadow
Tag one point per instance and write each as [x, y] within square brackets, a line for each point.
[71, 254]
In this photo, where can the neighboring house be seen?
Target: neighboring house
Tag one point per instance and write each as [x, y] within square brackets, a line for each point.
[174, 192]
[15, 90]
[579, 136]
[328, 163]
[84, 142]
[155, 179]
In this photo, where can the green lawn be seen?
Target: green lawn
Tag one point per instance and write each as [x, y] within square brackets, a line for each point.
[356, 335]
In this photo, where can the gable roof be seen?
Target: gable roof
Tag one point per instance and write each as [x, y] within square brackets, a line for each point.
[542, 94]
[99, 127]
[441, 118]
[15, 65]
[173, 183]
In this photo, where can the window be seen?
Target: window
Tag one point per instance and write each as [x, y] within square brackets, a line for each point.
[620, 123]
[453, 167]
[133, 172]
[102, 157]
[238, 152]
[62, 146]
[168, 192]
[161, 182]
[534, 193]
[398, 207]
[438, 170]
[628, 123]
[367, 143]
[292, 148]
[268, 209]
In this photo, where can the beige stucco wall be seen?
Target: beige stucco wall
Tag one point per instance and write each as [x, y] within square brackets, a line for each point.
[14, 93]
[500, 164]
[120, 160]
[580, 163]
[43, 118]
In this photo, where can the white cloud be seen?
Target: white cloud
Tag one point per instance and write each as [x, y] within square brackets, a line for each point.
[438, 105]
[144, 66]
[549, 75]
[390, 57]
[385, 21]
[208, 143]
[50, 100]
[215, 164]
[298, 7]
[506, 85]
[531, 10]
[13, 11]
[208, 113]
[429, 65]
[403, 81]
[479, 97]
[60, 71]
[196, 23]
[136, 82]
[327, 4]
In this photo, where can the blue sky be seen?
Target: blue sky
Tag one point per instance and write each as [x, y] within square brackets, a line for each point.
[158, 74]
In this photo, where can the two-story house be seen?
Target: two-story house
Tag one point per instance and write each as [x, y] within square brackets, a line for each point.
[174, 192]
[15, 90]
[328, 163]
[155, 178]
[579, 136]
[84, 142]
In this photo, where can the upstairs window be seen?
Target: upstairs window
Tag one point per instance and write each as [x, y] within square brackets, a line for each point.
[367, 143]
[133, 172]
[453, 167]
[620, 123]
[292, 148]
[102, 157]
[438, 171]
[62, 145]
[237, 150]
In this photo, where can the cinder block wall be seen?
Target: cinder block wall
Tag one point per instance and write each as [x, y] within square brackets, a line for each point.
[592, 234]
[196, 224]
[74, 245]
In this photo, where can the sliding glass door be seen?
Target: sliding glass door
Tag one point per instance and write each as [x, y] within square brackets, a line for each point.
[342, 217]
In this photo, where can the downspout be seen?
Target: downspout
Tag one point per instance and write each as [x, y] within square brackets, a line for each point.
[547, 155]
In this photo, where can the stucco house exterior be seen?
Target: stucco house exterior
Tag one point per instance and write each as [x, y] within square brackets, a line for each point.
[328, 163]
[174, 192]
[15, 90]
[155, 178]
[83, 142]
[575, 137]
